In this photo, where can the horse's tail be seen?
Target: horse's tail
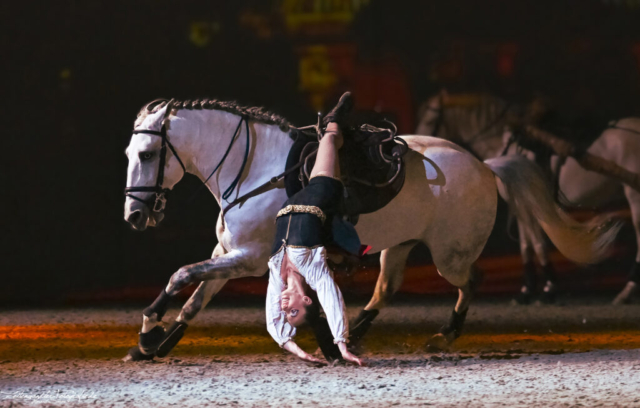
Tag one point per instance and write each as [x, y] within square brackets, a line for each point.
[528, 193]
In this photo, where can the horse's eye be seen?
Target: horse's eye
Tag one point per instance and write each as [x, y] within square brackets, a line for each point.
[294, 312]
[145, 156]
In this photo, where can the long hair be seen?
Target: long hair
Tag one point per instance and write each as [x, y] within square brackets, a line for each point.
[321, 329]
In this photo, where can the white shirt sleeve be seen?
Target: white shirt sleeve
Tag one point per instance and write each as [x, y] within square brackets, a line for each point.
[320, 278]
[277, 324]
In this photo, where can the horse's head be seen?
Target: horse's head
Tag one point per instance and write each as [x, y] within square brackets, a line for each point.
[154, 168]
[431, 115]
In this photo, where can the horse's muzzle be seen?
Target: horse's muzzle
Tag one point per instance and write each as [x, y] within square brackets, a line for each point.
[137, 215]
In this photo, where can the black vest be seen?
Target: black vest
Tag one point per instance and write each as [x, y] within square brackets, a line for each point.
[307, 230]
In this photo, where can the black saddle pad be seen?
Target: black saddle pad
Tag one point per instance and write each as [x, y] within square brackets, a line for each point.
[358, 161]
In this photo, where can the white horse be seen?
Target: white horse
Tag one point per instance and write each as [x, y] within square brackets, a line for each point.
[448, 202]
[478, 123]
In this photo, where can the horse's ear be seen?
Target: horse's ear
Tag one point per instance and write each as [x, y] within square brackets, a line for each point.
[154, 105]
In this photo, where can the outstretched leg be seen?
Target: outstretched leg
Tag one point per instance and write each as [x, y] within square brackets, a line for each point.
[392, 263]
[453, 329]
[198, 301]
[634, 277]
[212, 275]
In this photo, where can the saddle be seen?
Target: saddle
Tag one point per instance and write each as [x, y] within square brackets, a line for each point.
[371, 163]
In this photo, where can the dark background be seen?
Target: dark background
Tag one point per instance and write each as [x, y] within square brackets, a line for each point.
[75, 73]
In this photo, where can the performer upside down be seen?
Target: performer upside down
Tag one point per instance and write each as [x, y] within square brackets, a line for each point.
[299, 278]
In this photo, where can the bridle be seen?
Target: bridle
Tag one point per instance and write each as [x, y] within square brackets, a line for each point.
[158, 203]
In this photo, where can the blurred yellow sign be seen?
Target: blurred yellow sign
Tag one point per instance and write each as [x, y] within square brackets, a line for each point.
[317, 76]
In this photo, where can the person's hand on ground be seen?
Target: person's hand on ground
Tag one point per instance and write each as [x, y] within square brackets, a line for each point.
[294, 349]
[348, 356]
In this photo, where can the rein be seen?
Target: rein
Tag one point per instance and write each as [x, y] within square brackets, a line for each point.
[158, 203]
[274, 180]
[235, 182]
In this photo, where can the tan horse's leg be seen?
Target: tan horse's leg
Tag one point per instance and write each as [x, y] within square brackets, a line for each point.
[634, 278]
[453, 329]
[392, 263]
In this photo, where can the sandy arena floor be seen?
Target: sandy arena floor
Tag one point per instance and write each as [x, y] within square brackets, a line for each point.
[581, 353]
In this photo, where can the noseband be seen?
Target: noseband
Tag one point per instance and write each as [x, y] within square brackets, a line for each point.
[158, 203]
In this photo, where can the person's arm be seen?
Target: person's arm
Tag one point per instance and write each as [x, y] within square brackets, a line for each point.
[327, 163]
[330, 297]
[277, 326]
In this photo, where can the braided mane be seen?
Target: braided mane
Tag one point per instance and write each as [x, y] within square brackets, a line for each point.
[258, 114]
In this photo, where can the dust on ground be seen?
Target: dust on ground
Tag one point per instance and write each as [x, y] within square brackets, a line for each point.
[582, 353]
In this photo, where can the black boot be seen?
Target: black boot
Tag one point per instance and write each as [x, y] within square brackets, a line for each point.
[361, 326]
[324, 338]
[148, 342]
[456, 322]
[159, 306]
[339, 113]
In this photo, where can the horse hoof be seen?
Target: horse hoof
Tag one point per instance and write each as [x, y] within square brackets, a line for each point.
[624, 297]
[172, 337]
[134, 354]
[149, 342]
[439, 342]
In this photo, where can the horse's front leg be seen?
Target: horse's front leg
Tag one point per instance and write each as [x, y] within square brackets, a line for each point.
[212, 274]
[196, 303]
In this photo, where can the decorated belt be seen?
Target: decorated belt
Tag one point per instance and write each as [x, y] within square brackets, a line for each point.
[309, 209]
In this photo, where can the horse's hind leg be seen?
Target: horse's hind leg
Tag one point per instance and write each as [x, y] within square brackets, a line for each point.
[634, 277]
[392, 263]
[530, 277]
[532, 243]
[453, 328]
[550, 288]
